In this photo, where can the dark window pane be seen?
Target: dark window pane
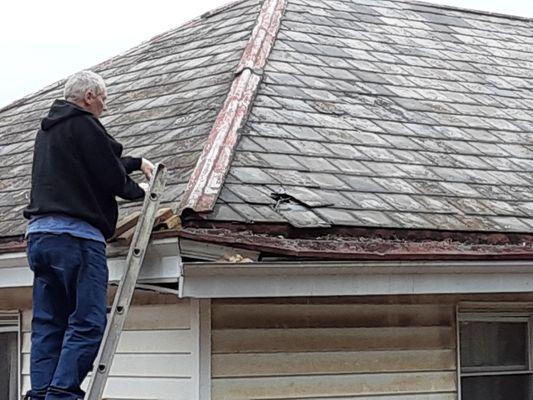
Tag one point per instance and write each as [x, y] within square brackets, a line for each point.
[507, 387]
[8, 366]
[486, 344]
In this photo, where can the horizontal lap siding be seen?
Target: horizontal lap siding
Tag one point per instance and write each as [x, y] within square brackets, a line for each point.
[156, 355]
[338, 351]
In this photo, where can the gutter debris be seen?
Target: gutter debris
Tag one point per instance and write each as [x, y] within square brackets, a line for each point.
[370, 247]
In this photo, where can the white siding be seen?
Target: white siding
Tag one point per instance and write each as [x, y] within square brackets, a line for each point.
[334, 350]
[156, 357]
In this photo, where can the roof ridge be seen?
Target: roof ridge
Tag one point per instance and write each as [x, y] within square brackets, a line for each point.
[213, 164]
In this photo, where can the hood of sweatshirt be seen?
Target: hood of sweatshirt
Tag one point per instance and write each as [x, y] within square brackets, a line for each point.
[60, 111]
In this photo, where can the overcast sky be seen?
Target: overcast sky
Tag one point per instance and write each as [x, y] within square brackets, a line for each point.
[42, 41]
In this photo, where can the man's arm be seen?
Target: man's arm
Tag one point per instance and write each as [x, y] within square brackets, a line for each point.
[131, 163]
[131, 190]
[136, 163]
[103, 164]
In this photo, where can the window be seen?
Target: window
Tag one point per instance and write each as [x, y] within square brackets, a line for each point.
[9, 359]
[495, 357]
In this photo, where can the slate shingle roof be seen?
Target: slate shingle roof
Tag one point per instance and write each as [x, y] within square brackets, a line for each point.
[163, 98]
[389, 114]
[370, 113]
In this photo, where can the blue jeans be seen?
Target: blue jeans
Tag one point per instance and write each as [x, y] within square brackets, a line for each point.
[69, 312]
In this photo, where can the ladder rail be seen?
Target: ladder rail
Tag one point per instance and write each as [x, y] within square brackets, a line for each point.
[126, 288]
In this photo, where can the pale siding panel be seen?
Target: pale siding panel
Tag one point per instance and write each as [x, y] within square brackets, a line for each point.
[141, 389]
[333, 350]
[153, 388]
[338, 385]
[26, 342]
[153, 341]
[142, 365]
[328, 315]
[25, 324]
[411, 396]
[156, 316]
[330, 339]
[156, 355]
[262, 364]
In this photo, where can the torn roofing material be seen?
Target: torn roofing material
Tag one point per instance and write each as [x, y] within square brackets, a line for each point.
[396, 114]
[366, 114]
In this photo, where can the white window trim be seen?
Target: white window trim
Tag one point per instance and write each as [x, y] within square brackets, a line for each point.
[500, 313]
[10, 321]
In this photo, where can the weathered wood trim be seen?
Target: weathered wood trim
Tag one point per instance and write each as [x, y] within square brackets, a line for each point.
[457, 352]
[495, 306]
[195, 338]
[10, 321]
[205, 350]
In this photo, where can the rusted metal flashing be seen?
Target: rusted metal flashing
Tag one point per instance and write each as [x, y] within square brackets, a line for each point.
[213, 165]
[263, 36]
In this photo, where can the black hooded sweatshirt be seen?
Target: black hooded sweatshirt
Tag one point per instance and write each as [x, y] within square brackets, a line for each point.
[78, 170]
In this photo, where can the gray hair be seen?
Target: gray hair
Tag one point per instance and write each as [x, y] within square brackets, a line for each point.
[82, 82]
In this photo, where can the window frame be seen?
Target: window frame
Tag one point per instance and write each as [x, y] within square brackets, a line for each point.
[493, 316]
[10, 321]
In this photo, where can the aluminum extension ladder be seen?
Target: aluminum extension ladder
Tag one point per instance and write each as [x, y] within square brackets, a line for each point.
[124, 294]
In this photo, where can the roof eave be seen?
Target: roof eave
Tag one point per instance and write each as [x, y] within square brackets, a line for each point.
[369, 244]
[162, 265]
[263, 279]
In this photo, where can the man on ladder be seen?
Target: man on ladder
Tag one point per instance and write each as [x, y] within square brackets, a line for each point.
[77, 172]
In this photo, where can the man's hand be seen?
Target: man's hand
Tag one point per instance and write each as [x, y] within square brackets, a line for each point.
[144, 186]
[147, 168]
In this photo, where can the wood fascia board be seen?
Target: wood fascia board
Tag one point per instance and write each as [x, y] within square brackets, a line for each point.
[217, 280]
[213, 164]
[482, 307]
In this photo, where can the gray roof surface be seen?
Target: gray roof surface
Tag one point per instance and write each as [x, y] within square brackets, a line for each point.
[164, 96]
[370, 113]
[390, 114]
